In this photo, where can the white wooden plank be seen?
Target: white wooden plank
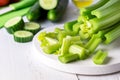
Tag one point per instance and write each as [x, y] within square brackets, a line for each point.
[46, 73]
[115, 76]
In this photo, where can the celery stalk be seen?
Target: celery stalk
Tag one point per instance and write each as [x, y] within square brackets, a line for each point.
[50, 49]
[67, 41]
[99, 57]
[61, 35]
[105, 22]
[76, 49]
[111, 9]
[68, 58]
[94, 42]
[87, 10]
[113, 34]
[69, 26]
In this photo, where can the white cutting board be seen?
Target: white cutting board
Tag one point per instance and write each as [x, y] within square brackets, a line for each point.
[85, 67]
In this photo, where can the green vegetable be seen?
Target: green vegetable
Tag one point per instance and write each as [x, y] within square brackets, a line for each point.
[50, 49]
[32, 27]
[48, 4]
[22, 4]
[68, 26]
[113, 34]
[23, 36]
[94, 42]
[68, 58]
[76, 49]
[35, 12]
[99, 57]
[65, 45]
[67, 41]
[57, 13]
[14, 24]
[109, 8]
[87, 10]
[4, 18]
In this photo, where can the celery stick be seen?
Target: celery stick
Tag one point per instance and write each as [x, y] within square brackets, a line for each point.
[69, 25]
[87, 10]
[57, 30]
[76, 27]
[68, 58]
[65, 45]
[113, 34]
[61, 35]
[67, 41]
[105, 22]
[99, 57]
[108, 10]
[51, 40]
[94, 42]
[50, 49]
[76, 49]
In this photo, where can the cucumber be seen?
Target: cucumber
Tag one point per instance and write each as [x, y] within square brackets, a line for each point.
[35, 12]
[23, 36]
[48, 4]
[14, 24]
[57, 13]
[32, 27]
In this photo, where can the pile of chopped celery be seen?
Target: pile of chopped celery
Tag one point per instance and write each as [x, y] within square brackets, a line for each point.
[98, 23]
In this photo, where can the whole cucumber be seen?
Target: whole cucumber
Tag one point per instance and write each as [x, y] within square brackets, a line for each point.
[35, 12]
[57, 13]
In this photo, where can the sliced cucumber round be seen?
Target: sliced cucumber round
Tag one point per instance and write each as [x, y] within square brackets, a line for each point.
[14, 24]
[48, 4]
[32, 27]
[23, 36]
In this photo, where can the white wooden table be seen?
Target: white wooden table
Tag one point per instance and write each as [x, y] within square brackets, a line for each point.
[17, 63]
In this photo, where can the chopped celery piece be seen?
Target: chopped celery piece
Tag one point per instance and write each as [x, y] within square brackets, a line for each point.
[87, 10]
[67, 41]
[50, 49]
[61, 35]
[105, 22]
[76, 49]
[44, 34]
[113, 34]
[65, 45]
[99, 57]
[76, 27]
[68, 58]
[69, 26]
[41, 36]
[108, 11]
[94, 42]
[51, 40]
[57, 30]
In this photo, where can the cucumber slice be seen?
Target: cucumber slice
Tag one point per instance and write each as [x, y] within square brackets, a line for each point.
[32, 27]
[23, 36]
[48, 4]
[14, 24]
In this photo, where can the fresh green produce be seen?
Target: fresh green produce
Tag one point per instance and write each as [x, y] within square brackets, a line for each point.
[99, 23]
[87, 10]
[23, 36]
[77, 49]
[111, 7]
[14, 24]
[36, 12]
[4, 18]
[57, 13]
[48, 4]
[32, 27]
[99, 57]
[68, 58]
[112, 34]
